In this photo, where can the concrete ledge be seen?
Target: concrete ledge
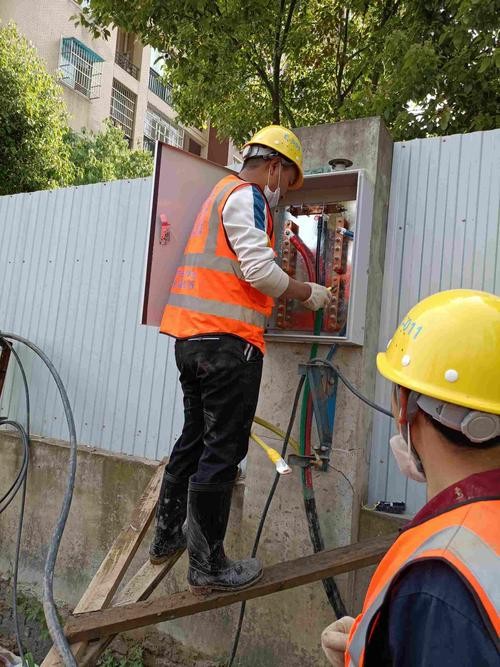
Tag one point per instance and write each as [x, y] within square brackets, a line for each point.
[373, 524]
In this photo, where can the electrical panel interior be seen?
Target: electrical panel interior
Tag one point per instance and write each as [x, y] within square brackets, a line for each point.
[322, 237]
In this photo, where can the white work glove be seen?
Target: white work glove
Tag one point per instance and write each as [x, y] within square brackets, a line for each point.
[334, 640]
[320, 297]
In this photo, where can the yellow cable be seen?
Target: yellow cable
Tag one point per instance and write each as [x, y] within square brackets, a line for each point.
[276, 430]
[281, 465]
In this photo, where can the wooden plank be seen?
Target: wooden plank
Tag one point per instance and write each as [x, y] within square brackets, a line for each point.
[145, 581]
[279, 577]
[138, 588]
[112, 569]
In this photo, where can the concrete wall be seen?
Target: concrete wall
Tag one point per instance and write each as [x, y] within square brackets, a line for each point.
[107, 488]
[282, 629]
[367, 143]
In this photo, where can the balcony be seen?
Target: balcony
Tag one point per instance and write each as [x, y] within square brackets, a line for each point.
[157, 86]
[123, 60]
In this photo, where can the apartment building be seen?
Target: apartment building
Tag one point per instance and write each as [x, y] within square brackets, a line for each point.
[118, 78]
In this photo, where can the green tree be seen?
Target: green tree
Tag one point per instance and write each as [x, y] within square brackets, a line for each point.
[33, 154]
[106, 156]
[426, 66]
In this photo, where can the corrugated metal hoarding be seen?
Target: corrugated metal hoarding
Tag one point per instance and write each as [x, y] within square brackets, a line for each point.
[71, 272]
[443, 233]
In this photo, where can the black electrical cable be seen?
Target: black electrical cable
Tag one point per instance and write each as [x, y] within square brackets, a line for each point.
[23, 504]
[329, 584]
[310, 507]
[356, 392]
[265, 511]
[350, 386]
[22, 476]
[16, 569]
[49, 607]
[11, 493]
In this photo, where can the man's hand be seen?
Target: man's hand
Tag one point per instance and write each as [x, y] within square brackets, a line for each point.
[320, 297]
[334, 640]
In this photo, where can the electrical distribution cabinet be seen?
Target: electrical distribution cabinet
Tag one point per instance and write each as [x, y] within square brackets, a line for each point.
[323, 234]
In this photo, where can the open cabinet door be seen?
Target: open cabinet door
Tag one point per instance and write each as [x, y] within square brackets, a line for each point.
[181, 184]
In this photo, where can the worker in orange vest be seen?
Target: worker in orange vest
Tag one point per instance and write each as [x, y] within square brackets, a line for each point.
[434, 600]
[222, 294]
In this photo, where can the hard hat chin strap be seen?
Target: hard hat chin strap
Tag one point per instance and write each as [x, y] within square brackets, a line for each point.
[475, 425]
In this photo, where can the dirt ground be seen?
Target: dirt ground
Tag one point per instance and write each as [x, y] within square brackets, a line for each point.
[152, 650]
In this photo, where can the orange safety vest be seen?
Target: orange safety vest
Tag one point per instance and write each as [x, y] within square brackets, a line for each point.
[209, 293]
[467, 538]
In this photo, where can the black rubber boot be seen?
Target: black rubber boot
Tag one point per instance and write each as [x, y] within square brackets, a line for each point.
[209, 567]
[170, 516]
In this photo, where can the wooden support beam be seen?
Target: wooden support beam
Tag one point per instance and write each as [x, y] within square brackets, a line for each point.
[138, 588]
[279, 577]
[109, 575]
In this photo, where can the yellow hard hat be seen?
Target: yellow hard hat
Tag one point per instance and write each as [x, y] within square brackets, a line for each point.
[284, 142]
[448, 347]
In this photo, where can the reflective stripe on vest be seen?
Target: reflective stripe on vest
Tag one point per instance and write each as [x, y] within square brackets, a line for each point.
[224, 264]
[216, 307]
[463, 548]
[209, 293]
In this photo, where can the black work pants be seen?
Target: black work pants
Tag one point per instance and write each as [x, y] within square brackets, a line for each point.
[220, 378]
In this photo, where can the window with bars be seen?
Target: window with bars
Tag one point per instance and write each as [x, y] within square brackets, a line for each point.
[161, 128]
[80, 67]
[123, 108]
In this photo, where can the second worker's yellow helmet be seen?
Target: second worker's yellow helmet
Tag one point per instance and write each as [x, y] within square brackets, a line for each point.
[284, 142]
[448, 348]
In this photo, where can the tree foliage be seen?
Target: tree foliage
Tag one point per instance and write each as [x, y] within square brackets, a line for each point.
[106, 156]
[38, 150]
[426, 66]
[33, 154]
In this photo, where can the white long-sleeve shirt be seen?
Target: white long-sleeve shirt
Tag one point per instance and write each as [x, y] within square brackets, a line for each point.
[245, 220]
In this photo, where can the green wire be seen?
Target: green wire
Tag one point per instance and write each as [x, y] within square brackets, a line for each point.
[318, 320]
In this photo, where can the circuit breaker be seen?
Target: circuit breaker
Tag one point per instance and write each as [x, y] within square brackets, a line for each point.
[323, 235]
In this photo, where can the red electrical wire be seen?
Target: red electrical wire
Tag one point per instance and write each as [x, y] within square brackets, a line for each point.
[308, 258]
[306, 254]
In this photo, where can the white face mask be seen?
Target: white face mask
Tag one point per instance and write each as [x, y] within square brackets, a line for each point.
[408, 463]
[273, 198]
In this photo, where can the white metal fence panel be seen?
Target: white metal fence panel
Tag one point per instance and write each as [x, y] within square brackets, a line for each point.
[443, 233]
[71, 271]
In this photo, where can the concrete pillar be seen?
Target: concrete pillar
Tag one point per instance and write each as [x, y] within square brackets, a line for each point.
[301, 614]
